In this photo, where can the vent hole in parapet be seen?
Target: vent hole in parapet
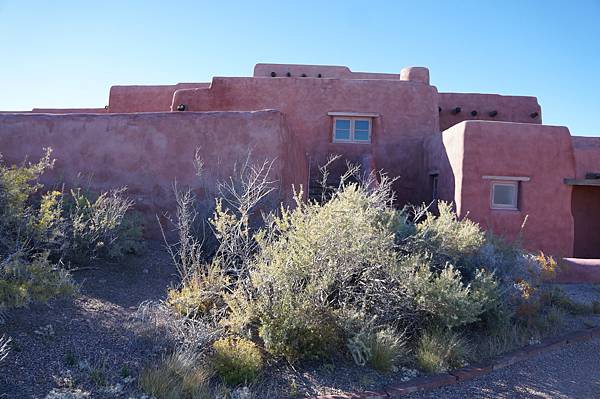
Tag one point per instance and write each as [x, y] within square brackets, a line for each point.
[273, 74]
[493, 113]
[181, 107]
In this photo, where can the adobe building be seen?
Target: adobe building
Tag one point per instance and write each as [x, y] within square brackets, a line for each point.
[490, 155]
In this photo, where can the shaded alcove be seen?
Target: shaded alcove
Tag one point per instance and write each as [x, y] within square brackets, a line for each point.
[585, 206]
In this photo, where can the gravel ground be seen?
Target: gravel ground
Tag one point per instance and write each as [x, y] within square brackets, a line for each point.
[573, 372]
[86, 343]
[89, 346]
[585, 293]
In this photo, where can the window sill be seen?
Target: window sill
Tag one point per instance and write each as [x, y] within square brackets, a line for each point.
[350, 142]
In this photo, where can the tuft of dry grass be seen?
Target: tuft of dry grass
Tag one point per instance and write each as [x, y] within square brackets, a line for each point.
[439, 350]
[179, 376]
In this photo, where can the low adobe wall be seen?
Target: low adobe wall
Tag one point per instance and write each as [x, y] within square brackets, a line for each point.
[544, 154]
[69, 110]
[146, 98]
[148, 152]
[406, 112]
[521, 109]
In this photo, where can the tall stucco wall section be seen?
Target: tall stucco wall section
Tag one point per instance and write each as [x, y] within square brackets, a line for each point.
[443, 155]
[544, 154]
[148, 152]
[406, 113]
[587, 155]
[146, 98]
[509, 108]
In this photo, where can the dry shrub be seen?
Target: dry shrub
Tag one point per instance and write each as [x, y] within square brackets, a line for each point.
[4, 347]
[200, 295]
[237, 360]
[23, 281]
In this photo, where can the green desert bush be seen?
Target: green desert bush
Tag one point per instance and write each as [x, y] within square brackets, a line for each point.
[200, 294]
[74, 226]
[41, 230]
[237, 360]
[24, 281]
[441, 349]
[447, 239]
[350, 273]
[299, 332]
[100, 227]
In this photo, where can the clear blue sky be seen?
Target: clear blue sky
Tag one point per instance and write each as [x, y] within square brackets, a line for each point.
[68, 53]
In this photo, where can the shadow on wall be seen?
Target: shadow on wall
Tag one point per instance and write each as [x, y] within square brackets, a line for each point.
[438, 175]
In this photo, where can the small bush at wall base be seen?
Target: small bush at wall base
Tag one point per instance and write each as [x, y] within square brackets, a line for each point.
[237, 360]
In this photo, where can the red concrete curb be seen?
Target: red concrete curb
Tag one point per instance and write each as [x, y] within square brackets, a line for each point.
[356, 395]
[469, 372]
[421, 384]
[428, 383]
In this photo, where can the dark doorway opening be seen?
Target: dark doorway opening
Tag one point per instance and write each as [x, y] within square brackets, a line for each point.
[585, 207]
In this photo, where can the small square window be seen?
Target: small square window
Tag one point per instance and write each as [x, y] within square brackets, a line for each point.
[342, 129]
[352, 130]
[505, 195]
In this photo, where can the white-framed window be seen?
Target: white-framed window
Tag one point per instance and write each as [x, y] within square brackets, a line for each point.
[352, 130]
[505, 195]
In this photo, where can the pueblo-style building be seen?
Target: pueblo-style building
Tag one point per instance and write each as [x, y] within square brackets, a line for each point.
[490, 155]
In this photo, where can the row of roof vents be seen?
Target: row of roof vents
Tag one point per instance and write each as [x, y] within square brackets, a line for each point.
[493, 113]
[453, 111]
[289, 75]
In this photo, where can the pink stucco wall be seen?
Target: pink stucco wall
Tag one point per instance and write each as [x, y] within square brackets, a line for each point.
[145, 98]
[407, 112]
[586, 199]
[587, 155]
[509, 108]
[148, 152]
[313, 71]
[544, 154]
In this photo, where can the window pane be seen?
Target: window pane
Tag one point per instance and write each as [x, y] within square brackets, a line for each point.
[361, 135]
[341, 134]
[504, 194]
[361, 125]
[343, 124]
